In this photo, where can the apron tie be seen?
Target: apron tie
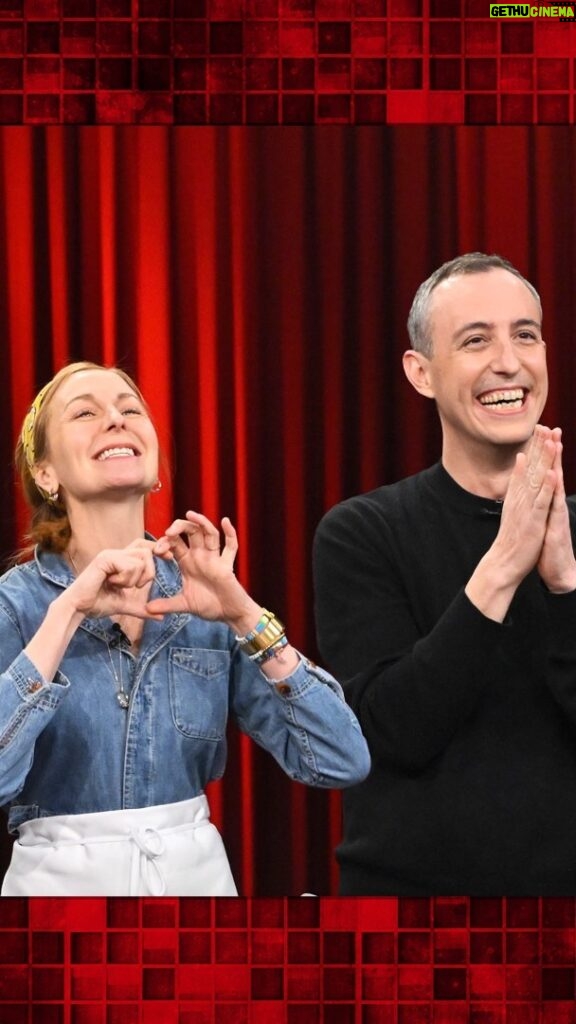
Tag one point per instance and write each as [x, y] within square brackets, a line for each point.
[151, 846]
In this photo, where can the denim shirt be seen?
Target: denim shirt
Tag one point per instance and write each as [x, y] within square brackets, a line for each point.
[67, 747]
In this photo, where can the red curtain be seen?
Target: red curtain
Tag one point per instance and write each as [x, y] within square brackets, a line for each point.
[256, 282]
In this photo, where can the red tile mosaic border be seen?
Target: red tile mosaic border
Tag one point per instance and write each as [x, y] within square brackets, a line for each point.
[298, 961]
[282, 62]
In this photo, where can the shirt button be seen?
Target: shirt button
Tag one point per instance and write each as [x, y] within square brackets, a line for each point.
[33, 686]
[284, 689]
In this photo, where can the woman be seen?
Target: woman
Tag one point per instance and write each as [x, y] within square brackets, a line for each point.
[121, 657]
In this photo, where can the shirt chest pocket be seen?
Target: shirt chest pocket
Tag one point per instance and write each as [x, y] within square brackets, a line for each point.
[198, 683]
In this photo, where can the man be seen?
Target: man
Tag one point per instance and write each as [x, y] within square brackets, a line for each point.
[447, 602]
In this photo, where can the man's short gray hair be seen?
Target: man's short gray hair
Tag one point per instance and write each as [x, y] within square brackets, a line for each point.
[469, 263]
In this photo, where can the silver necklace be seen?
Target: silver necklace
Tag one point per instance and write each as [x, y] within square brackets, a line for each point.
[122, 697]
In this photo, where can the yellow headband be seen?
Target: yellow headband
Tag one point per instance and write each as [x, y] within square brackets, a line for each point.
[27, 435]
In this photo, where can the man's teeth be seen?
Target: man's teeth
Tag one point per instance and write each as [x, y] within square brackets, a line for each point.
[511, 399]
[114, 453]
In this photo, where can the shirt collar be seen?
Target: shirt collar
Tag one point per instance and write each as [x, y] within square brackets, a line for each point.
[451, 493]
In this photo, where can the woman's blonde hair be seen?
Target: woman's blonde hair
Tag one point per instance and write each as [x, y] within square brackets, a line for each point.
[49, 524]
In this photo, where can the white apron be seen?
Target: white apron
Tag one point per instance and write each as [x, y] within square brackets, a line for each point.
[166, 850]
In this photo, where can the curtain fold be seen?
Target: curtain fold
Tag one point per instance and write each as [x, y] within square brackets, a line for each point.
[257, 282]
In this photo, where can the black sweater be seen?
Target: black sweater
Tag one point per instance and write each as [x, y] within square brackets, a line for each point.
[471, 723]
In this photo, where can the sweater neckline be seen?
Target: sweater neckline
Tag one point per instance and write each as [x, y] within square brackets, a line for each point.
[451, 493]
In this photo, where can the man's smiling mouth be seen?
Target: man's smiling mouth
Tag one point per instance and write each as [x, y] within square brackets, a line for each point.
[503, 398]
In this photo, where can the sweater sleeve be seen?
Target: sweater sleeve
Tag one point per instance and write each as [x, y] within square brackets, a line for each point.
[561, 675]
[411, 692]
[561, 609]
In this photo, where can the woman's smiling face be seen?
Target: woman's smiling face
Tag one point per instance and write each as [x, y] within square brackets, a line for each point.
[100, 439]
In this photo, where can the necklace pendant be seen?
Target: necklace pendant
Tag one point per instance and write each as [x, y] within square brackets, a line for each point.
[123, 699]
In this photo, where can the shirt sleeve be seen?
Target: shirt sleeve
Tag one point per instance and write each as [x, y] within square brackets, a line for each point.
[27, 704]
[303, 721]
[410, 691]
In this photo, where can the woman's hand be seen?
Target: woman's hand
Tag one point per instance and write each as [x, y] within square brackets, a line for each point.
[117, 581]
[209, 587]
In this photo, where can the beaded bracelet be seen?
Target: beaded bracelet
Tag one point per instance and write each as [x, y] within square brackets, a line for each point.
[269, 652]
[260, 625]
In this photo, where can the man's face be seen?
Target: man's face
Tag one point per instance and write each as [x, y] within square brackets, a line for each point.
[488, 370]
